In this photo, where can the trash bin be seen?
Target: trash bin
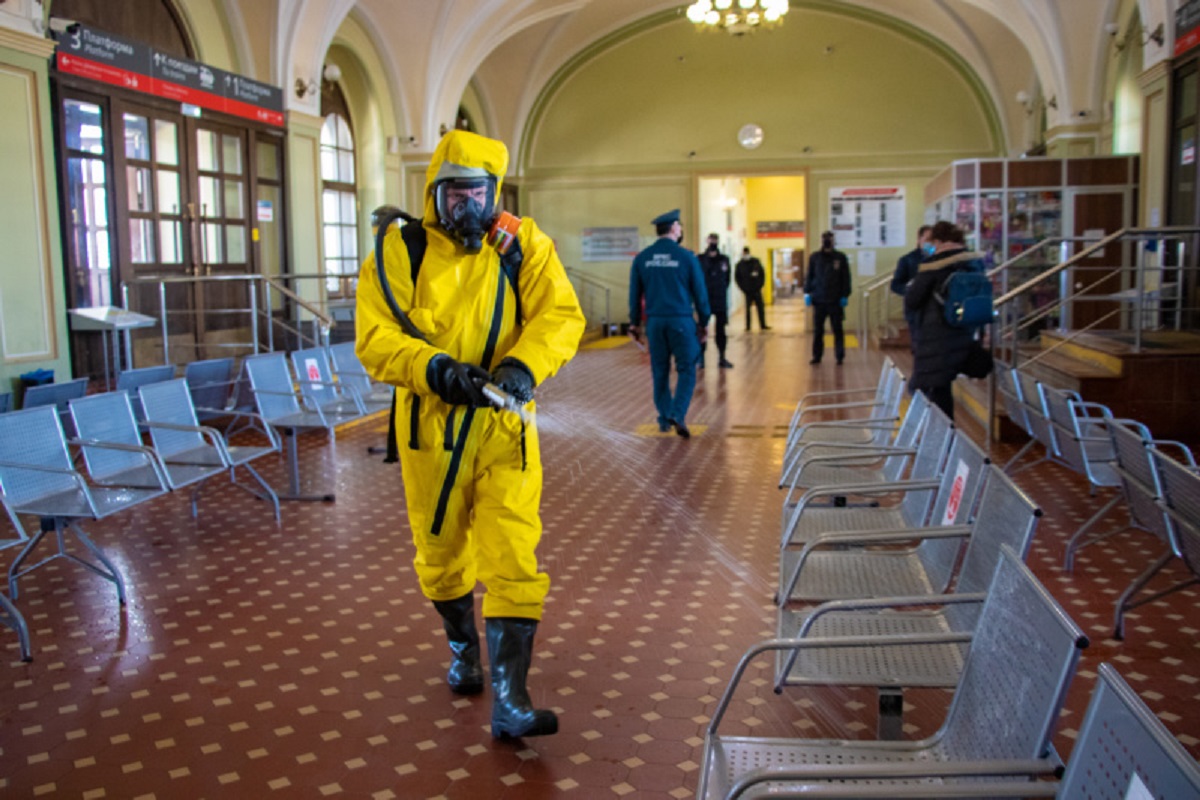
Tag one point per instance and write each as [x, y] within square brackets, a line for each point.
[39, 377]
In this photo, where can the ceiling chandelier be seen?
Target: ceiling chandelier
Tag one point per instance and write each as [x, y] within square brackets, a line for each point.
[737, 16]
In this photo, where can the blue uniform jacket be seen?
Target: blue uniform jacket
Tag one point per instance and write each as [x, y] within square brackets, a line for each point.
[669, 277]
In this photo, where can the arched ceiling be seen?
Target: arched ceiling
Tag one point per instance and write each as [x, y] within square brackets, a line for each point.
[514, 48]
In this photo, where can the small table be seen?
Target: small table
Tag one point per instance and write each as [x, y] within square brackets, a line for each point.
[110, 320]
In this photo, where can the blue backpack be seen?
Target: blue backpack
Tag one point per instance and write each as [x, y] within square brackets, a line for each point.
[966, 298]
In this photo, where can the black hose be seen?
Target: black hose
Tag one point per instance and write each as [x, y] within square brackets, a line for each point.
[380, 233]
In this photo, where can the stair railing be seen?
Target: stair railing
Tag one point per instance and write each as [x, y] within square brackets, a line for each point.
[865, 321]
[1009, 323]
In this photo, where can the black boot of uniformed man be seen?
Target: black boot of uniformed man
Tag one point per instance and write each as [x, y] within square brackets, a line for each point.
[510, 648]
[458, 617]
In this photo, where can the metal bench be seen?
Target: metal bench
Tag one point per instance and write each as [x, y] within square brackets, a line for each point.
[1037, 417]
[835, 562]
[57, 395]
[111, 441]
[1123, 751]
[37, 477]
[319, 389]
[820, 465]
[1181, 500]
[5, 402]
[1142, 490]
[872, 427]
[179, 439]
[1006, 518]
[1084, 445]
[279, 406]
[1009, 392]
[350, 371]
[129, 381]
[1023, 654]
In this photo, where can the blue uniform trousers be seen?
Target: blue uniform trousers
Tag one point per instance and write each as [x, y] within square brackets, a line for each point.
[667, 338]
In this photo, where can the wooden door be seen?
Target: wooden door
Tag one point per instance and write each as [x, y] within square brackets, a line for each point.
[219, 185]
[1106, 212]
[153, 241]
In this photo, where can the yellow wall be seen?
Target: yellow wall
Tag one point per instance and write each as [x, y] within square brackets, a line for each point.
[652, 99]
[616, 204]
[774, 199]
[628, 130]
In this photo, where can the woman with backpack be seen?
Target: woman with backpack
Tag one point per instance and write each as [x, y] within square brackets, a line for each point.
[942, 347]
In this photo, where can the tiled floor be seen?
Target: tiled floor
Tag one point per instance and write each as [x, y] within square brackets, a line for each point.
[301, 660]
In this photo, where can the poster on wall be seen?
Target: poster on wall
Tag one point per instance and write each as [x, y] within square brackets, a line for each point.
[610, 244]
[867, 216]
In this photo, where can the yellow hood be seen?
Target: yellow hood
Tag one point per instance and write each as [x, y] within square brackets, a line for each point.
[464, 149]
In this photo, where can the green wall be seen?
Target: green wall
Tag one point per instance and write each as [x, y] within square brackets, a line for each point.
[33, 324]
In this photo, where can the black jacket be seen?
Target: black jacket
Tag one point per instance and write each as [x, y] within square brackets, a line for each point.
[941, 348]
[906, 270]
[716, 277]
[828, 279]
[749, 275]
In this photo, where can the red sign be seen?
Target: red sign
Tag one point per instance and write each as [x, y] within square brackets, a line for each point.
[110, 59]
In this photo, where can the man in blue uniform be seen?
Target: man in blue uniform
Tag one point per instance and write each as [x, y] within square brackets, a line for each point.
[668, 277]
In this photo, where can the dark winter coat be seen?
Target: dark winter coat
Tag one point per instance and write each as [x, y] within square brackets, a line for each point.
[715, 267]
[941, 348]
[828, 279]
[750, 276]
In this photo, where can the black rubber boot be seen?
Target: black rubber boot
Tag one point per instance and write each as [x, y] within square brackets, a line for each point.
[458, 617]
[510, 647]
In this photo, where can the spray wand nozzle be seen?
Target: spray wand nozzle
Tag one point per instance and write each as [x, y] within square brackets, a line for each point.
[503, 400]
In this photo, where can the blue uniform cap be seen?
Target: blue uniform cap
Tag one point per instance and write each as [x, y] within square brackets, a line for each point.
[667, 218]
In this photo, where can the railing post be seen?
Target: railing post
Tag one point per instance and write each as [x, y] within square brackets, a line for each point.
[128, 338]
[1065, 289]
[254, 314]
[991, 407]
[270, 305]
[607, 310]
[162, 304]
[1180, 255]
[1139, 295]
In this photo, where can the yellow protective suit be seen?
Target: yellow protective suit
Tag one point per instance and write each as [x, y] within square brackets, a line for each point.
[474, 516]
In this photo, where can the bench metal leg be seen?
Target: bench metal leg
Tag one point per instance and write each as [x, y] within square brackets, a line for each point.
[11, 617]
[106, 569]
[294, 474]
[1078, 542]
[267, 493]
[1123, 604]
[891, 714]
[1020, 453]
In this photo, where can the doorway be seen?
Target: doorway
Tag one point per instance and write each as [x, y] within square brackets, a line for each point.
[150, 193]
[766, 214]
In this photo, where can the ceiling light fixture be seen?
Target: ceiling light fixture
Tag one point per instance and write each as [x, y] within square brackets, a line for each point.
[736, 16]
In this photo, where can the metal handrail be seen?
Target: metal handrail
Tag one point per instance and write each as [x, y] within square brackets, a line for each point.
[1066, 263]
[864, 309]
[325, 319]
[322, 321]
[588, 280]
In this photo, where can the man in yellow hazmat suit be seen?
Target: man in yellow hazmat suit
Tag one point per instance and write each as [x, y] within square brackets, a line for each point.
[472, 473]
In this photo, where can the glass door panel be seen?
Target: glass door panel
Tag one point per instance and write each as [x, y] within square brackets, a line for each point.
[219, 177]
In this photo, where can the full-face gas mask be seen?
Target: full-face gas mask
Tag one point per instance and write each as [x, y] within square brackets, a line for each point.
[466, 207]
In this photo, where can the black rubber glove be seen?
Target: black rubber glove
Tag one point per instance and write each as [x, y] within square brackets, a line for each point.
[514, 377]
[455, 382]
